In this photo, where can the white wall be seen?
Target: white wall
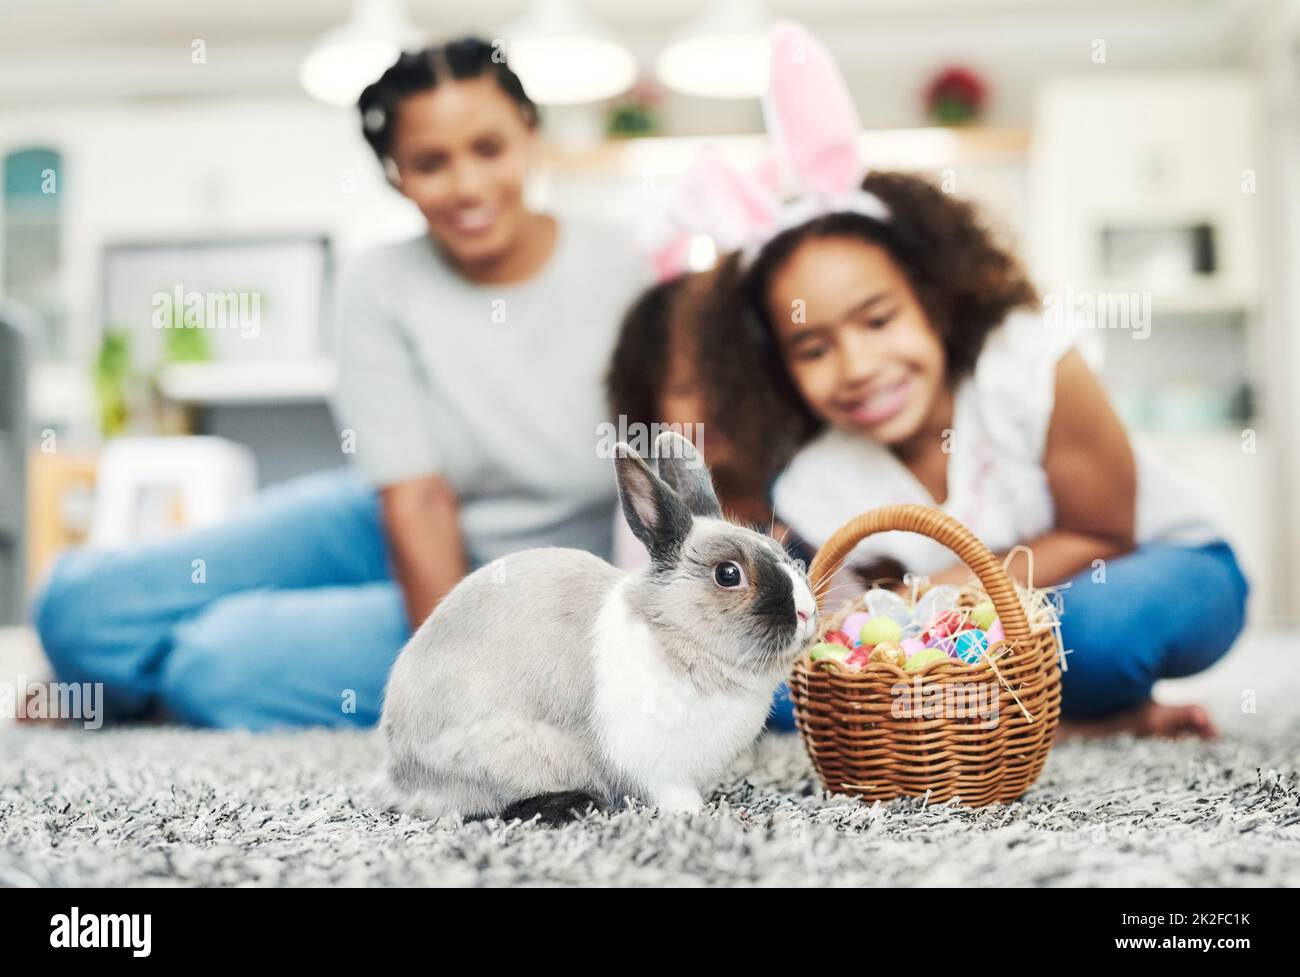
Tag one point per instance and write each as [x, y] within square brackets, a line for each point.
[198, 170]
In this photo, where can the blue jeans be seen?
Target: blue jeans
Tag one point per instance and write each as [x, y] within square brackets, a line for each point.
[291, 619]
[1160, 612]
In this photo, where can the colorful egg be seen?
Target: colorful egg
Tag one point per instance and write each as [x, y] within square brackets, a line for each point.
[912, 645]
[825, 650]
[971, 645]
[889, 653]
[925, 657]
[838, 638]
[949, 622]
[858, 657]
[983, 615]
[946, 644]
[996, 633]
[854, 622]
[880, 629]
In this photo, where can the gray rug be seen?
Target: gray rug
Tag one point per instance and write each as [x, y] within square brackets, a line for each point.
[151, 806]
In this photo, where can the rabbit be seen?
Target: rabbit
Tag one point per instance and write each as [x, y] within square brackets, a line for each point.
[548, 681]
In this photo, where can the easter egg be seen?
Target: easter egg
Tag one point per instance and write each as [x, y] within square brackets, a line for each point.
[886, 603]
[949, 622]
[971, 645]
[925, 657]
[945, 644]
[983, 615]
[838, 638]
[996, 633]
[825, 651]
[912, 645]
[889, 653]
[854, 622]
[880, 629]
[858, 657]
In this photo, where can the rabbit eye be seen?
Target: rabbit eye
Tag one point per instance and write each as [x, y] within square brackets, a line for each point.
[729, 575]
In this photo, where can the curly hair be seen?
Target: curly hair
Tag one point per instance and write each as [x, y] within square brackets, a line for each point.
[417, 71]
[748, 394]
[965, 282]
[634, 382]
[670, 320]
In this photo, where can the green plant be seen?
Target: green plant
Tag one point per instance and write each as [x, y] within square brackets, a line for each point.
[636, 114]
[182, 345]
[111, 373]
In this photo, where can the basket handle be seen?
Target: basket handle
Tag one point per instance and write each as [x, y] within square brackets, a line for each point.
[942, 528]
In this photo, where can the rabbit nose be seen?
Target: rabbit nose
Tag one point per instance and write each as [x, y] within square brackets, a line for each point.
[802, 615]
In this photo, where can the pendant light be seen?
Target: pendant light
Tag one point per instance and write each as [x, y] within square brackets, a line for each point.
[348, 58]
[565, 58]
[723, 53]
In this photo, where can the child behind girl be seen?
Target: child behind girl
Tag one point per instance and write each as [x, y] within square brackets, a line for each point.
[902, 347]
[654, 379]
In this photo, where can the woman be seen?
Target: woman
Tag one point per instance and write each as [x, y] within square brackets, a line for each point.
[471, 361]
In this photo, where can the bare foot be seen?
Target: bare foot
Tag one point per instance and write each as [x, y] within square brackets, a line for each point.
[1149, 718]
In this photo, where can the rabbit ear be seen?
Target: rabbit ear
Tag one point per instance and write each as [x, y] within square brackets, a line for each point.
[716, 199]
[768, 171]
[654, 512]
[671, 258]
[683, 468]
[810, 115]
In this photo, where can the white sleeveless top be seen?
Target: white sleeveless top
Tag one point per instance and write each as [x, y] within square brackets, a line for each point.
[997, 485]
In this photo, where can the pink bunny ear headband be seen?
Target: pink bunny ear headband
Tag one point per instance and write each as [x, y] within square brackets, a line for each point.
[813, 130]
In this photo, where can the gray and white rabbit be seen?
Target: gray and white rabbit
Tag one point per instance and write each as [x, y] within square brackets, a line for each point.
[548, 680]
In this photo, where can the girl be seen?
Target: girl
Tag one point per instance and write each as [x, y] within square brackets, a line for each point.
[470, 363]
[902, 345]
[655, 377]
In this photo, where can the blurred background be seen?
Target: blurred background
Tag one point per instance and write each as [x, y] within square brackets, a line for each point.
[1140, 148]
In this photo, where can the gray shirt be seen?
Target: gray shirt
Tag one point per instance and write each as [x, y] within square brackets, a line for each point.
[497, 388]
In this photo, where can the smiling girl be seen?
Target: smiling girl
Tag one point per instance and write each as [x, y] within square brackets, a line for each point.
[903, 347]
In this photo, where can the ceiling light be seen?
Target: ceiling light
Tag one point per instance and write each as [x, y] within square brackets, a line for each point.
[723, 53]
[563, 57]
[348, 58]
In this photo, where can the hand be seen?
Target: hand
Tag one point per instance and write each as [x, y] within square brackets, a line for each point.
[422, 524]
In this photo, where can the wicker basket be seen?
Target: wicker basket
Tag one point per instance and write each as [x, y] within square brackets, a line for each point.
[865, 732]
